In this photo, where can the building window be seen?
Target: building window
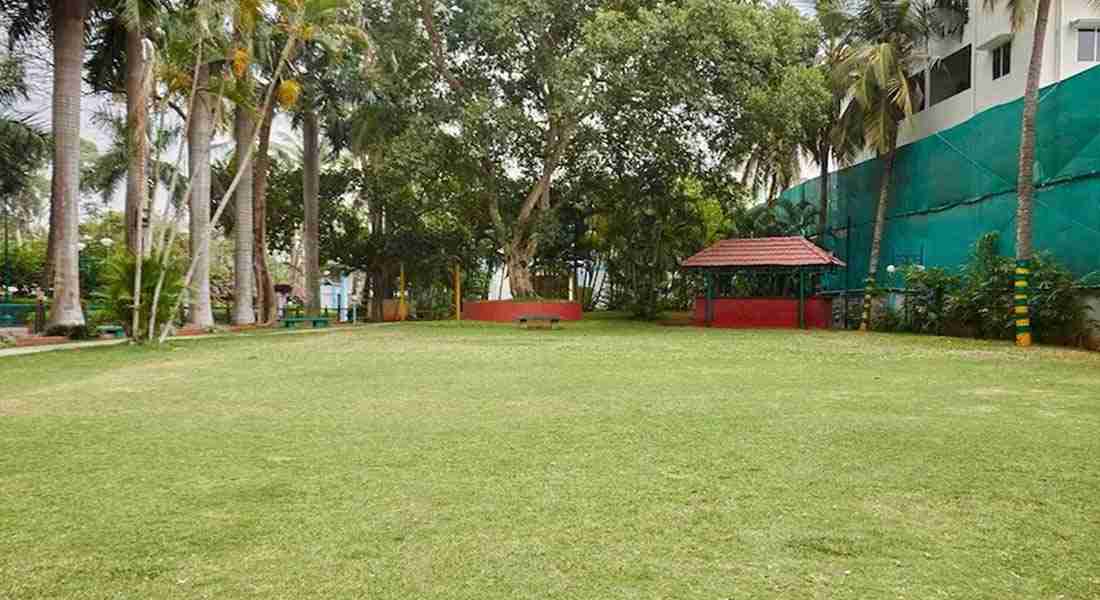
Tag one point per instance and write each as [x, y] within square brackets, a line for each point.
[951, 76]
[1002, 60]
[1086, 45]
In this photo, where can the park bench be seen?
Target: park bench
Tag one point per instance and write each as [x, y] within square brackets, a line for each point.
[525, 321]
[115, 331]
[292, 322]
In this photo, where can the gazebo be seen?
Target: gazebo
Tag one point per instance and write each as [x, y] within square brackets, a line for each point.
[796, 255]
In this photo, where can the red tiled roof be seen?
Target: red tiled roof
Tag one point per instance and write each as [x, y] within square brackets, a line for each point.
[763, 252]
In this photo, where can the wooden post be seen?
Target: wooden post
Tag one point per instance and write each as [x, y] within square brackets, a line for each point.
[801, 299]
[458, 292]
[402, 307]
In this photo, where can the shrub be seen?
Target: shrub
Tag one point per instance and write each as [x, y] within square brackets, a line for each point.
[978, 301]
[117, 291]
[926, 300]
[73, 332]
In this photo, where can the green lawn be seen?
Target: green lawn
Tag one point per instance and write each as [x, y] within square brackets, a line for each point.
[605, 460]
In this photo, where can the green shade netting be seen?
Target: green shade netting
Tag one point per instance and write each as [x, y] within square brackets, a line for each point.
[954, 186]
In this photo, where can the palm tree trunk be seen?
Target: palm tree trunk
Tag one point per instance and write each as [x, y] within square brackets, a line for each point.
[311, 171]
[1025, 186]
[65, 188]
[244, 285]
[823, 215]
[198, 163]
[876, 238]
[265, 285]
[136, 119]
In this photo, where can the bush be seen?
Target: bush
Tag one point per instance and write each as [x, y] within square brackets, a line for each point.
[978, 302]
[73, 332]
[117, 291]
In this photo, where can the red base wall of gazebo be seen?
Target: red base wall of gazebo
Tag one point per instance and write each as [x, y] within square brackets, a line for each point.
[779, 313]
[506, 311]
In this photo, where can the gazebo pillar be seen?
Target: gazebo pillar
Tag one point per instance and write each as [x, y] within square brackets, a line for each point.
[801, 299]
[708, 307]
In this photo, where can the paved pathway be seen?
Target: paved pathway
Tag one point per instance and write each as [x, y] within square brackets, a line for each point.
[107, 343]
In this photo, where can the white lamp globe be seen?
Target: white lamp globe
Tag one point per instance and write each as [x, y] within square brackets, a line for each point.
[891, 269]
[107, 242]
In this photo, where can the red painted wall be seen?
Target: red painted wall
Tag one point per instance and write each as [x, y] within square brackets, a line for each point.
[764, 312]
[506, 311]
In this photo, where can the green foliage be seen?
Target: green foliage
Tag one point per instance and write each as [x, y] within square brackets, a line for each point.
[927, 298]
[27, 265]
[978, 300]
[117, 292]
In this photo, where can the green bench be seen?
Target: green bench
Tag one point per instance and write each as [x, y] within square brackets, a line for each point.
[292, 322]
[115, 331]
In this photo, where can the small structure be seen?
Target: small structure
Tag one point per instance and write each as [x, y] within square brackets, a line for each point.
[787, 255]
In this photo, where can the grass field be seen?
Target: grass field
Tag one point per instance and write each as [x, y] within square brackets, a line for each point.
[605, 460]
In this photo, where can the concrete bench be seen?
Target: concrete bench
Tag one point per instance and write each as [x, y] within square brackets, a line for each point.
[526, 321]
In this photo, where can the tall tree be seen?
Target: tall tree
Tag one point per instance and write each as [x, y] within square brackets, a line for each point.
[244, 134]
[265, 283]
[199, 137]
[530, 82]
[877, 76]
[820, 136]
[68, 23]
[302, 20]
[1020, 12]
[311, 184]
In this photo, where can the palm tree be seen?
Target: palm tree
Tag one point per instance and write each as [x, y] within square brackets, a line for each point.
[68, 23]
[67, 18]
[24, 150]
[303, 20]
[877, 72]
[820, 139]
[1020, 10]
[244, 134]
[121, 61]
[199, 138]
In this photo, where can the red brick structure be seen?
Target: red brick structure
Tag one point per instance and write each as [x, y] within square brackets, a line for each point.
[506, 311]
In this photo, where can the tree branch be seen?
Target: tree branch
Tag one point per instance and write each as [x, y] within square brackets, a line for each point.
[439, 52]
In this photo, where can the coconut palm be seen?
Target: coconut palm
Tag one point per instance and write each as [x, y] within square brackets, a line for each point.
[876, 72]
[820, 139]
[1020, 11]
[24, 149]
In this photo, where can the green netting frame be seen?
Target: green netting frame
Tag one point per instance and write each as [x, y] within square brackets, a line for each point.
[960, 183]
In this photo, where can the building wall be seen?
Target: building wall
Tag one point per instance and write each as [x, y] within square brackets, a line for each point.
[1060, 62]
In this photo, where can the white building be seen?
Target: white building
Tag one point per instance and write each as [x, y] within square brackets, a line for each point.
[987, 65]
